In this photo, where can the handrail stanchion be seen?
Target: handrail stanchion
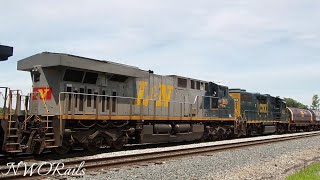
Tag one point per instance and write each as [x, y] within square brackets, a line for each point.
[155, 109]
[110, 108]
[130, 111]
[180, 110]
[141, 108]
[9, 112]
[60, 114]
[190, 111]
[202, 106]
[197, 111]
[97, 106]
[169, 105]
[5, 102]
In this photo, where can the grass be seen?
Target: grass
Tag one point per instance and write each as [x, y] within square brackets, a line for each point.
[309, 173]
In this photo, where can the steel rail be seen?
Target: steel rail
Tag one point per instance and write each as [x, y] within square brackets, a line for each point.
[136, 159]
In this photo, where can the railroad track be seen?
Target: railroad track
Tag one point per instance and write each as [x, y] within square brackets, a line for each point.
[156, 156]
[76, 153]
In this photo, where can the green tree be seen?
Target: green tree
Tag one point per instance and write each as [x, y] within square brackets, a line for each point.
[295, 104]
[315, 102]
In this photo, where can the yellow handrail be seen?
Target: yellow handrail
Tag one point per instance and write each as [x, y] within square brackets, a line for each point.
[10, 109]
[60, 114]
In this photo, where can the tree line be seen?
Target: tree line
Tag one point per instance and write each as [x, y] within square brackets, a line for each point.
[296, 104]
[315, 102]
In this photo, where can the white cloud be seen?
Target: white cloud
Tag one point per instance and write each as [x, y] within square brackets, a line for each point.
[269, 42]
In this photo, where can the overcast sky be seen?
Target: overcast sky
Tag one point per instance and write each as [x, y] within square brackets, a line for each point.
[266, 46]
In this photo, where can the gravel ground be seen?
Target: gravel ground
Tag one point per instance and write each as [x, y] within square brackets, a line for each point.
[160, 149]
[272, 161]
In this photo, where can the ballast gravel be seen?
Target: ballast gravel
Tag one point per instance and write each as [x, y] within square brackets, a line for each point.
[270, 161]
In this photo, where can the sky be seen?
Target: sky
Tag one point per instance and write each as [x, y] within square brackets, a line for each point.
[266, 46]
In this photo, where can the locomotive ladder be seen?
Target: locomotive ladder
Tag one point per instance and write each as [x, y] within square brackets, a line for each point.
[47, 122]
[50, 141]
[13, 138]
[43, 134]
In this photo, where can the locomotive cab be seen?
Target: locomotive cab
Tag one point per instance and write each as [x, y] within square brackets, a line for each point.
[218, 102]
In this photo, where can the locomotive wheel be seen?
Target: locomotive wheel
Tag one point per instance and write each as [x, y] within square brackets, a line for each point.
[95, 144]
[119, 143]
[64, 149]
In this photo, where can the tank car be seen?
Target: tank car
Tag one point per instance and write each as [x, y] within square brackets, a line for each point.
[315, 119]
[315, 115]
[79, 101]
[300, 119]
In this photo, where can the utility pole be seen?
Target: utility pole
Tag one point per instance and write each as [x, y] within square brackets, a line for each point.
[5, 52]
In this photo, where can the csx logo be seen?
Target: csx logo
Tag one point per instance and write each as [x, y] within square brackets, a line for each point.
[161, 93]
[45, 93]
[223, 103]
[263, 108]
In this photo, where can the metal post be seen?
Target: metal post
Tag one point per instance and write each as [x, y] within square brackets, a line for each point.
[169, 105]
[73, 105]
[110, 108]
[68, 106]
[190, 112]
[141, 108]
[131, 103]
[202, 106]
[5, 102]
[154, 109]
[26, 101]
[180, 110]
[18, 104]
[97, 106]
[197, 111]
[117, 106]
[9, 112]
[85, 103]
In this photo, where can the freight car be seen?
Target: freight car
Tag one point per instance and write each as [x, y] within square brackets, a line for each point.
[316, 116]
[303, 119]
[78, 101]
